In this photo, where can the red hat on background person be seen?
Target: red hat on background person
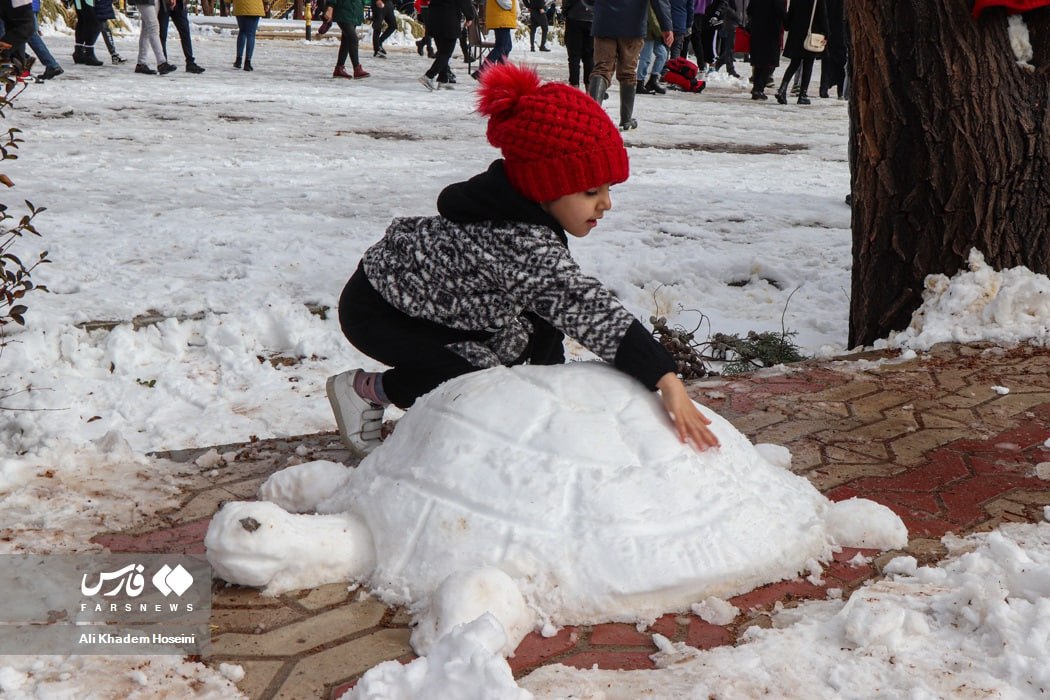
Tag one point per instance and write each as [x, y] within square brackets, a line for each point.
[1012, 6]
[555, 140]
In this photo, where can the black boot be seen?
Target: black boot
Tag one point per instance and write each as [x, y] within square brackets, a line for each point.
[803, 98]
[641, 88]
[248, 65]
[654, 86]
[597, 87]
[782, 94]
[89, 57]
[627, 120]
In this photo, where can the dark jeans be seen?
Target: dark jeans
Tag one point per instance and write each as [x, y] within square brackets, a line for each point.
[789, 73]
[348, 45]
[381, 16]
[182, 26]
[439, 67]
[580, 45]
[537, 20]
[503, 45]
[246, 28]
[86, 32]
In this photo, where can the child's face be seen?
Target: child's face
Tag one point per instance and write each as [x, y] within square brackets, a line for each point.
[579, 213]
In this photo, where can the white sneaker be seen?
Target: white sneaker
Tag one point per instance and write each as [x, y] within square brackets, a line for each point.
[427, 82]
[360, 421]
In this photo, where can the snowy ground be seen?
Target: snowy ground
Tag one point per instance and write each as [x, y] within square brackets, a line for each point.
[227, 203]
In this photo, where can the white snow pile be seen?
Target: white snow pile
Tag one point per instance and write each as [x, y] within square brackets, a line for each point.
[125, 677]
[551, 496]
[977, 625]
[980, 304]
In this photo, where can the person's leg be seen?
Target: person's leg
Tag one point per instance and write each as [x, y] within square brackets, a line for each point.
[574, 48]
[604, 65]
[544, 27]
[534, 24]
[659, 61]
[36, 43]
[182, 25]
[645, 59]
[377, 28]
[150, 27]
[390, 17]
[626, 69]
[785, 81]
[242, 39]
[345, 30]
[249, 44]
[439, 67]
[807, 75]
[111, 46]
[417, 351]
[587, 41]
[163, 13]
[145, 11]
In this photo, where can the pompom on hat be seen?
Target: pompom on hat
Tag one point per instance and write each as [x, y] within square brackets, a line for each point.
[555, 139]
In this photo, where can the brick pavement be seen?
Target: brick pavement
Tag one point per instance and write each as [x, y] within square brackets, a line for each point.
[929, 437]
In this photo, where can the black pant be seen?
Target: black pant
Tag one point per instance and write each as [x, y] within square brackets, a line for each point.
[380, 16]
[444, 49]
[18, 24]
[417, 350]
[580, 45]
[537, 19]
[86, 32]
[348, 45]
[789, 73]
[182, 26]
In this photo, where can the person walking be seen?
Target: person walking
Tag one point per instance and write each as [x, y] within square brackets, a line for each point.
[803, 16]
[619, 32]
[538, 20]
[443, 26]
[766, 18]
[149, 38]
[52, 69]
[733, 15]
[501, 16]
[382, 16]
[176, 11]
[426, 41]
[247, 13]
[578, 40]
[104, 13]
[348, 15]
[652, 60]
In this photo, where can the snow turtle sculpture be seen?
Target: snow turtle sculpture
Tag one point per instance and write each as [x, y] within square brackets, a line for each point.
[568, 479]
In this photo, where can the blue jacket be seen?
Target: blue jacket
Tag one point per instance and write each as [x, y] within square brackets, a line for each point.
[681, 15]
[626, 19]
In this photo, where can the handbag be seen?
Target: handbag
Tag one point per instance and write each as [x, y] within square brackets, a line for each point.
[814, 41]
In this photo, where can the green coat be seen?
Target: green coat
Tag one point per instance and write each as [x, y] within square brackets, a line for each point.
[350, 11]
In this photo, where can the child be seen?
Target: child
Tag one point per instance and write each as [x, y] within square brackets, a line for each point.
[490, 281]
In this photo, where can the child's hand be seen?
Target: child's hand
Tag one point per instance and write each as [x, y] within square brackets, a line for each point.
[689, 422]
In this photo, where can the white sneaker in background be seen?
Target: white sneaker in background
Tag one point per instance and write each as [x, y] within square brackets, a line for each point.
[360, 421]
[427, 82]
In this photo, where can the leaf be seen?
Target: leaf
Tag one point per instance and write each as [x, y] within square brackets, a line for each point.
[4, 179]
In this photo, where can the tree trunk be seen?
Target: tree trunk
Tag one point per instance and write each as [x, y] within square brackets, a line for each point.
[950, 150]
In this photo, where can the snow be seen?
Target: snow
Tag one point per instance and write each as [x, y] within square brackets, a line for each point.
[207, 215]
[578, 490]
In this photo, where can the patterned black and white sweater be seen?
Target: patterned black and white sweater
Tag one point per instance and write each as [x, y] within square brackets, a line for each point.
[492, 257]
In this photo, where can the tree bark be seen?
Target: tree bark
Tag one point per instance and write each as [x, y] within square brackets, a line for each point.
[949, 150]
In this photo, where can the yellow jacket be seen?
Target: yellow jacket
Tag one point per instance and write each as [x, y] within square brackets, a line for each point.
[248, 8]
[498, 18]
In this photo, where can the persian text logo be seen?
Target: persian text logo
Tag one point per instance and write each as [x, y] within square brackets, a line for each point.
[128, 578]
[132, 582]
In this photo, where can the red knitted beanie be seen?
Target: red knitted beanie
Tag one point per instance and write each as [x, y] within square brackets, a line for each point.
[555, 139]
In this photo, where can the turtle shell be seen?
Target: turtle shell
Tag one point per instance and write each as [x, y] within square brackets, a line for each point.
[571, 479]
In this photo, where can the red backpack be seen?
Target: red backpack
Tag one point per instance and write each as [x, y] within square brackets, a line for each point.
[682, 73]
